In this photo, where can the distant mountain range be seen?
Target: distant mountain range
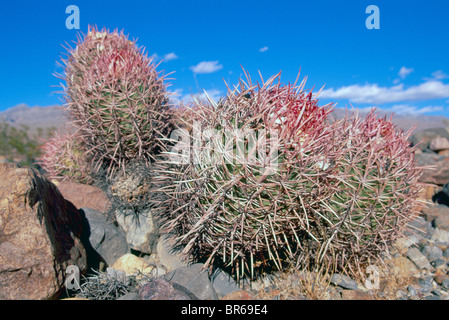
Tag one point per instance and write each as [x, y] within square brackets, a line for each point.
[55, 117]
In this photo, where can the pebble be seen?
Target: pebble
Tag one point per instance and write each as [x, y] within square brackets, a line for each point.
[343, 281]
[418, 259]
[432, 252]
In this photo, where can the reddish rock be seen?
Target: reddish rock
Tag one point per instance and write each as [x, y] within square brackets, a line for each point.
[39, 235]
[239, 295]
[84, 196]
[162, 289]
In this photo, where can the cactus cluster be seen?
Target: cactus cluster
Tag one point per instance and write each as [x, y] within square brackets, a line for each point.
[260, 180]
[270, 180]
[116, 100]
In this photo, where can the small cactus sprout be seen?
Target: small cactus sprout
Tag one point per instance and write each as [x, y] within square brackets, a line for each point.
[63, 158]
[116, 99]
[242, 196]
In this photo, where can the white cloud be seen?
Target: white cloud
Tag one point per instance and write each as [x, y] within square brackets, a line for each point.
[404, 72]
[206, 67]
[170, 56]
[439, 75]
[263, 49]
[178, 97]
[409, 109]
[373, 94]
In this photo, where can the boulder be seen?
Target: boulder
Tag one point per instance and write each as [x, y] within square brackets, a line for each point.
[439, 143]
[169, 256]
[163, 289]
[439, 172]
[133, 265]
[142, 233]
[84, 196]
[106, 240]
[195, 279]
[424, 137]
[39, 235]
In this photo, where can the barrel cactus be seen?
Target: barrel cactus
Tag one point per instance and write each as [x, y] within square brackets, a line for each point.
[116, 99]
[242, 197]
[63, 158]
[376, 191]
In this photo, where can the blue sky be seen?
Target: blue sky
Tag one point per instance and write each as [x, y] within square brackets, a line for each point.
[403, 66]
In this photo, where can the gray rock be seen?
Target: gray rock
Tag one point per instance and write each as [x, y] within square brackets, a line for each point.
[130, 296]
[223, 283]
[439, 143]
[141, 231]
[418, 259]
[445, 284]
[440, 237]
[424, 137]
[195, 279]
[446, 253]
[343, 281]
[432, 297]
[411, 291]
[426, 284]
[105, 238]
[169, 257]
[432, 252]
[439, 263]
[162, 289]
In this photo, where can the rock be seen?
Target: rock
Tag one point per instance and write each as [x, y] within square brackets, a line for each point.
[195, 279]
[438, 263]
[162, 289]
[426, 283]
[440, 237]
[85, 196]
[439, 276]
[439, 143]
[438, 175]
[442, 221]
[445, 284]
[132, 265]
[433, 212]
[424, 137]
[108, 241]
[418, 259]
[432, 297]
[168, 256]
[239, 295]
[141, 232]
[130, 296]
[411, 291]
[402, 266]
[356, 295]
[343, 281]
[446, 253]
[39, 235]
[432, 252]
[223, 283]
